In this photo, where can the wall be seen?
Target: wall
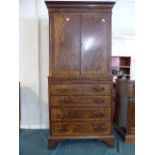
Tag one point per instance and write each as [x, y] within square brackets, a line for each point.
[33, 69]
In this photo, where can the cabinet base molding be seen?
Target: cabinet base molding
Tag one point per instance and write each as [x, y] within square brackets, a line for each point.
[54, 140]
[130, 139]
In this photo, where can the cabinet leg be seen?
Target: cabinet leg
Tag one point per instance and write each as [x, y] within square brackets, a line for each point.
[109, 141]
[52, 144]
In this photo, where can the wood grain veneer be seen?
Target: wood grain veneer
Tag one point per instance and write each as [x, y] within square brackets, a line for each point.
[80, 79]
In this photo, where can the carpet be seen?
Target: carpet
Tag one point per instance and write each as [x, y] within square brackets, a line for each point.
[34, 142]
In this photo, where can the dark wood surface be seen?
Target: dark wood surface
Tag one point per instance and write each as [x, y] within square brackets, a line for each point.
[125, 109]
[80, 79]
[81, 101]
[94, 59]
[81, 114]
[81, 128]
[66, 37]
[81, 89]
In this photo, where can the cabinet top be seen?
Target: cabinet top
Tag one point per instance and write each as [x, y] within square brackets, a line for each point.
[107, 4]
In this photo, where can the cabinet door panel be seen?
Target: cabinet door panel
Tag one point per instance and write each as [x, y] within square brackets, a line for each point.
[66, 54]
[95, 47]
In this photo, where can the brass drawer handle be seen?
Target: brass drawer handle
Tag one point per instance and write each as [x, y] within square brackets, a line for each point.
[98, 101]
[99, 129]
[65, 101]
[98, 114]
[62, 90]
[98, 89]
[63, 129]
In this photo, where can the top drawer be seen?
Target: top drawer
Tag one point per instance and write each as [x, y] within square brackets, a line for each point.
[80, 89]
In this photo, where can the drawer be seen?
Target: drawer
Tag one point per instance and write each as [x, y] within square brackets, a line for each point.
[81, 128]
[65, 89]
[81, 113]
[81, 89]
[81, 100]
[97, 89]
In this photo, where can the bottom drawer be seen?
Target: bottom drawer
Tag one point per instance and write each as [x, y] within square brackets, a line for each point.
[81, 128]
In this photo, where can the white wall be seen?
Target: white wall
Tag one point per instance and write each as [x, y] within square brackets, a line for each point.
[33, 69]
[123, 38]
[28, 59]
[33, 56]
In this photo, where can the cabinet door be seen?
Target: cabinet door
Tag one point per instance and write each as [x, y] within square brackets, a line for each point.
[95, 49]
[66, 44]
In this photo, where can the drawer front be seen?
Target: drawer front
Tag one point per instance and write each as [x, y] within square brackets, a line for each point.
[81, 113]
[81, 100]
[80, 89]
[65, 89]
[98, 89]
[81, 128]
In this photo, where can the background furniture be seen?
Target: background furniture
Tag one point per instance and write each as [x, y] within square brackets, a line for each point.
[121, 64]
[80, 79]
[19, 107]
[125, 109]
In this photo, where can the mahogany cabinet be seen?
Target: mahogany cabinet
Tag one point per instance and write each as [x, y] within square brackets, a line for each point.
[80, 79]
[125, 109]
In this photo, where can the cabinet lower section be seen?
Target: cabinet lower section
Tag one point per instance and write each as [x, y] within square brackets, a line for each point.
[80, 111]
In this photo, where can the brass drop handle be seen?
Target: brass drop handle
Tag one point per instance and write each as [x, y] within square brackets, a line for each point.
[66, 101]
[99, 128]
[98, 89]
[63, 129]
[98, 101]
[99, 114]
[62, 90]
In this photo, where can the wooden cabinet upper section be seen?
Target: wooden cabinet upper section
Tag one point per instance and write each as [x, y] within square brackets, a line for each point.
[80, 39]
